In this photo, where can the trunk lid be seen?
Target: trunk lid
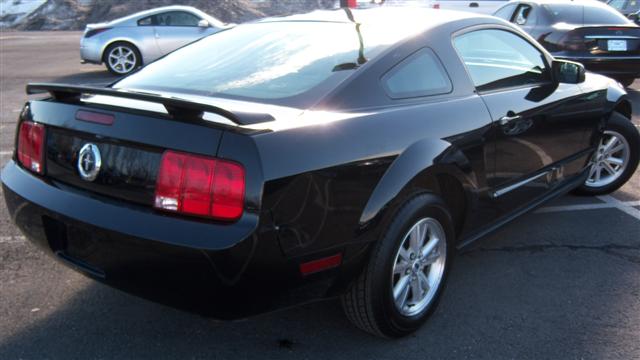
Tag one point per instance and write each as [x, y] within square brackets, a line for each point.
[605, 40]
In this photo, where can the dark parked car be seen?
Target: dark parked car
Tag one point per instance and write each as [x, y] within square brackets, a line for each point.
[626, 7]
[589, 32]
[313, 156]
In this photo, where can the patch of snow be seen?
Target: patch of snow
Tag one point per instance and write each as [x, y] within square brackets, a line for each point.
[14, 11]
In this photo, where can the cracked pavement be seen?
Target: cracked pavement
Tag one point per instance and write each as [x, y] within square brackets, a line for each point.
[558, 284]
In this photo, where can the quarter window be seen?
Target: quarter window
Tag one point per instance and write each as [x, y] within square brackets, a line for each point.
[506, 12]
[420, 74]
[500, 59]
[522, 14]
[176, 18]
[148, 21]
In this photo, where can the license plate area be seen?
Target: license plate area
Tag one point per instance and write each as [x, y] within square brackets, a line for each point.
[617, 45]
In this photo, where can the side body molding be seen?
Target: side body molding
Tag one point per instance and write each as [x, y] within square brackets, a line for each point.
[416, 158]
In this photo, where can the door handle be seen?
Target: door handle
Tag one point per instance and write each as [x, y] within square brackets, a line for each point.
[508, 118]
[474, 5]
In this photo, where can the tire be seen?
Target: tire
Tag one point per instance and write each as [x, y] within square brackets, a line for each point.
[622, 128]
[122, 58]
[370, 302]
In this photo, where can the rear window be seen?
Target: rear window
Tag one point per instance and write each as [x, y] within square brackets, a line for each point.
[274, 62]
[585, 15]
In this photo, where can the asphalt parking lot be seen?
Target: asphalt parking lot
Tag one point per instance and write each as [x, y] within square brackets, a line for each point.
[562, 282]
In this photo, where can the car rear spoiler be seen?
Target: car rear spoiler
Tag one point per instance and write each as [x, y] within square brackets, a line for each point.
[177, 108]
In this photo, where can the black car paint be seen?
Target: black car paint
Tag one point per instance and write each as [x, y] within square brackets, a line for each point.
[541, 26]
[313, 190]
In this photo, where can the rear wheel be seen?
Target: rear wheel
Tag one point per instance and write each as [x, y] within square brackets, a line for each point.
[401, 286]
[616, 158]
[122, 58]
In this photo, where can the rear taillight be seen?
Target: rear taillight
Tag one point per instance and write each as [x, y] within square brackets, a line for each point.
[199, 185]
[31, 146]
[94, 32]
[573, 41]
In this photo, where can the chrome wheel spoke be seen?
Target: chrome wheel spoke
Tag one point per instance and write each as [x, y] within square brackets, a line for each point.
[428, 248]
[401, 290]
[614, 161]
[416, 290]
[416, 237]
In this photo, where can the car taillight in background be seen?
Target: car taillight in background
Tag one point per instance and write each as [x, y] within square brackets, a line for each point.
[573, 41]
[200, 185]
[94, 32]
[31, 146]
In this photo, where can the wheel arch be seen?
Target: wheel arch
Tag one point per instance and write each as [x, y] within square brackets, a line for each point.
[431, 165]
[103, 51]
[624, 107]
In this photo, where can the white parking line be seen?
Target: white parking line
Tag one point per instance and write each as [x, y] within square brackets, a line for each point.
[609, 203]
[11, 239]
[7, 152]
[620, 205]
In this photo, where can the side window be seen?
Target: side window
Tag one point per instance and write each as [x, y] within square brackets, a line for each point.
[498, 59]
[148, 21]
[177, 18]
[506, 12]
[420, 74]
[522, 14]
[617, 4]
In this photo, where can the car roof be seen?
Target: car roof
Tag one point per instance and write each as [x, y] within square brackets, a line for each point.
[409, 20]
[162, 9]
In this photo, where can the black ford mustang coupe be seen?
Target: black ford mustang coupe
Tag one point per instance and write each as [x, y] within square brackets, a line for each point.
[330, 154]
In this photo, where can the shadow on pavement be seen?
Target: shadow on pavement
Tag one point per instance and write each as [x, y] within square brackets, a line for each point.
[552, 291]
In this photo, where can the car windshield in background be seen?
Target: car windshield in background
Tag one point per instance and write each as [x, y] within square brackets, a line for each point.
[273, 62]
[585, 15]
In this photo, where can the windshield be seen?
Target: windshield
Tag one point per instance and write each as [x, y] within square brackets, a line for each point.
[273, 62]
[585, 15]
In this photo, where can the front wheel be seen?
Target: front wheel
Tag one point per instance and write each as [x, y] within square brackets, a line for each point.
[401, 286]
[616, 158]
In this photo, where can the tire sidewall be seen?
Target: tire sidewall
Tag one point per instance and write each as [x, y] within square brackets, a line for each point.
[123, 44]
[419, 207]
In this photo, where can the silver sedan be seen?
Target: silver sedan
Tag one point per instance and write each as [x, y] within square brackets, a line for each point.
[127, 43]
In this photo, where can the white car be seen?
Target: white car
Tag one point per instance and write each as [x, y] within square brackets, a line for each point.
[476, 6]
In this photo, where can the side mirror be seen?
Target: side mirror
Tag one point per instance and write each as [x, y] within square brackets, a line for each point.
[635, 17]
[203, 23]
[568, 72]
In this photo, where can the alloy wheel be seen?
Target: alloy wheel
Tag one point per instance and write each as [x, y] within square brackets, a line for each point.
[609, 161]
[419, 267]
[122, 59]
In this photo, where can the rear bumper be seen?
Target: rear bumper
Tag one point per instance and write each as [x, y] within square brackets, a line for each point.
[216, 270]
[618, 66]
[90, 51]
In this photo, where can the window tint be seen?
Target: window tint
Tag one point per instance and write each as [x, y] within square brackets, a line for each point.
[420, 74]
[522, 14]
[585, 14]
[275, 62]
[617, 4]
[499, 59]
[177, 18]
[148, 21]
[506, 12]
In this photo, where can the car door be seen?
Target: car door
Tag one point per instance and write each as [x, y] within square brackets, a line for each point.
[540, 130]
[175, 29]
